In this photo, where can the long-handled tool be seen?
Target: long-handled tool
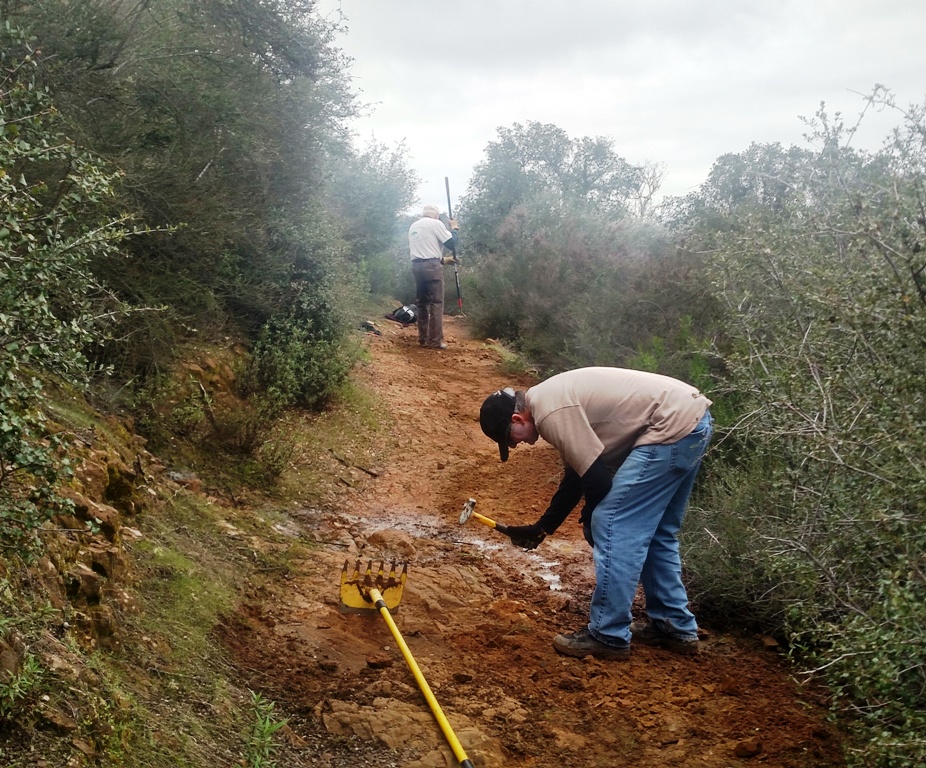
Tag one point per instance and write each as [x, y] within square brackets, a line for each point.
[456, 274]
[371, 593]
[469, 510]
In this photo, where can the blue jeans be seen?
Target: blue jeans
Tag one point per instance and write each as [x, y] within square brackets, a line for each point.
[635, 528]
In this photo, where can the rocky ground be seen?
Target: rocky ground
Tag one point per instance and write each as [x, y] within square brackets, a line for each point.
[479, 615]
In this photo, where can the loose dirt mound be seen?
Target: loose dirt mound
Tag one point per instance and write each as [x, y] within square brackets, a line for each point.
[479, 616]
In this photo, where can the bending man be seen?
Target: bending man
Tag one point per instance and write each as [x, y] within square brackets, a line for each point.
[651, 432]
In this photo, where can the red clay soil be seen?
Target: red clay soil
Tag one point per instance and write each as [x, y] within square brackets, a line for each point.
[479, 616]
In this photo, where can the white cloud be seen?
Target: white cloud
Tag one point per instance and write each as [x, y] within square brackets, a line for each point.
[674, 82]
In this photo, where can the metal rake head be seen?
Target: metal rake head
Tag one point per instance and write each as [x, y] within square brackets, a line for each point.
[359, 587]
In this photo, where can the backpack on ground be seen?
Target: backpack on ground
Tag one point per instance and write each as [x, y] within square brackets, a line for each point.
[406, 314]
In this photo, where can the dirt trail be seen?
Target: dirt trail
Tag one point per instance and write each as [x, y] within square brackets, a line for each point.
[479, 617]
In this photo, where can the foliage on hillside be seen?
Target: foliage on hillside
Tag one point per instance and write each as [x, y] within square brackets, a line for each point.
[228, 124]
[211, 132]
[818, 257]
[52, 308]
[221, 130]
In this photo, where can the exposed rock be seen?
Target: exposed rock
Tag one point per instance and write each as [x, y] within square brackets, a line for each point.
[56, 720]
[566, 740]
[109, 561]
[748, 748]
[84, 746]
[186, 480]
[107, 478]
[103, 620]
[100, 515]
[84, 585]
[61, 662]
[93, 475]
[10, 661]
[51, 581]
[403, 726]
[391, 544]
[121, 485]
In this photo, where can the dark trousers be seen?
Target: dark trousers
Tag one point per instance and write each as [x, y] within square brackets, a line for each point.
[429, 289]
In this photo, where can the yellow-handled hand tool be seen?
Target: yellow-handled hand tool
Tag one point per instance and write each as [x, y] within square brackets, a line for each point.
[469, 511]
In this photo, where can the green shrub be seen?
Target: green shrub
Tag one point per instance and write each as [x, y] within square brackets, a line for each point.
[294, 368]
[17, 686]
[819, 258]
[261, 747]
[55, 198]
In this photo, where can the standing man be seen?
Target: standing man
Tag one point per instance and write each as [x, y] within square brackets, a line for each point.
[427, 239]
[651, 432]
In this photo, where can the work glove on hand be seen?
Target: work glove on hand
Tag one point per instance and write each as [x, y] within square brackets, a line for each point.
[454, 225]
[449, 259]
[586, 519]
[526, 536]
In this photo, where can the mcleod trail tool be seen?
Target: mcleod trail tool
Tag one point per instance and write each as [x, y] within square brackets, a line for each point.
[469, 510]
[456, 274]
[378, 593]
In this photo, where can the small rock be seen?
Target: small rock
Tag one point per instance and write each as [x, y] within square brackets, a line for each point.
[84, 746]
[84, 584]
[58, 720]
[379, 661]
[571, 684]
[748, 748]
[10, 662]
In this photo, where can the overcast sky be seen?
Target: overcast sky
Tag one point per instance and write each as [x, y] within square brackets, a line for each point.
[673, 82]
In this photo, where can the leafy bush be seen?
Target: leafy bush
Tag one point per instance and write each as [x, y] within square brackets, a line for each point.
[820, 261]
[301, 357]
[261, 748]
[296, 368]
[51, 308]
[17, 686]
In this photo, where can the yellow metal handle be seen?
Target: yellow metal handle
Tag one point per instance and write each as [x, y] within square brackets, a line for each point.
[485, 520]
[451, 737]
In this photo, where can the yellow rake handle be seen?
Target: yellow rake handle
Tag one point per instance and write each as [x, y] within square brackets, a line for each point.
[451, 737]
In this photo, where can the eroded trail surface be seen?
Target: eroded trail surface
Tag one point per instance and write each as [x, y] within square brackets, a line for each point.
[479, 616]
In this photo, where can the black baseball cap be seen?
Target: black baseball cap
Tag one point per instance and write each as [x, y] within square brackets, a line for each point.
[495, 418]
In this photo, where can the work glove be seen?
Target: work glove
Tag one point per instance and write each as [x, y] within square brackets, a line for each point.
[586, 519]
[449, 259]
[526, 536]
[453, 224]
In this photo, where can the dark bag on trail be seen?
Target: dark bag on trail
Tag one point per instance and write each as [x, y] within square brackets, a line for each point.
[406, 314]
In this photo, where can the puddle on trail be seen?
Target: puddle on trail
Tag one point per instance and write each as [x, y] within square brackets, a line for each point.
[422, 525]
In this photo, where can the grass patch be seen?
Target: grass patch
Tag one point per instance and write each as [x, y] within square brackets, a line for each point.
[339, 447]
[512, 363]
